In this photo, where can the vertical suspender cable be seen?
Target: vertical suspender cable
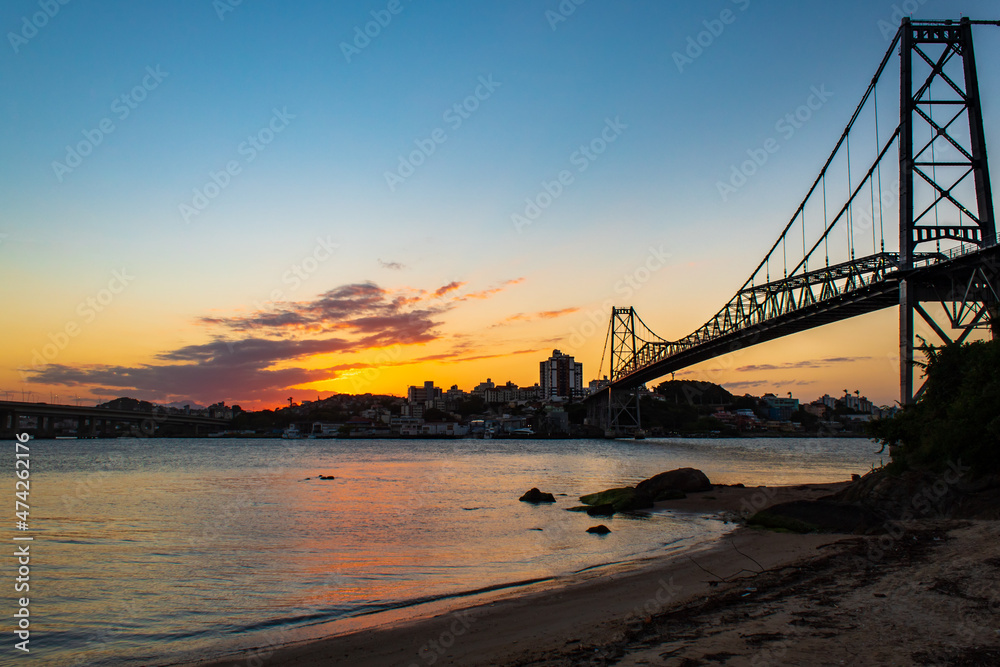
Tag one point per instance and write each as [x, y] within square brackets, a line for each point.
[826, 225]
[850, 205]
[881, 225]
[934, 137]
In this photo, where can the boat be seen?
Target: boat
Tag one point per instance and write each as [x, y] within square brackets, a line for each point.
[292, 433]
[522, 433]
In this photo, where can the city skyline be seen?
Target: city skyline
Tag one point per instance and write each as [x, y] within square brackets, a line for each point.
[234, 202]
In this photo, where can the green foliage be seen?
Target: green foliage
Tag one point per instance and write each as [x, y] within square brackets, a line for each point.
[473, 405]
[958, 416]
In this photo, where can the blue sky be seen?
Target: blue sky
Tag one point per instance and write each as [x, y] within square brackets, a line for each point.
[346, 121]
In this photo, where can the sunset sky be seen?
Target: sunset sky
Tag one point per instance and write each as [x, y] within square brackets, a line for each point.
[207, 201]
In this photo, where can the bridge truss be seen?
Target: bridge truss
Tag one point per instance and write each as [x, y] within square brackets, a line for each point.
[831, 263]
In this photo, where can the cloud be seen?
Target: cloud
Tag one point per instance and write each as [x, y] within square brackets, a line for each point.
[815, 363]
[255, 354]
[455, 356]
[542, 315]
[260, 356]
[487, 293]
[450, 287]
[744, 384]
[395, 266]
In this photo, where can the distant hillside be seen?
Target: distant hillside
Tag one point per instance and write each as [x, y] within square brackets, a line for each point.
[135, 405]
[694, 392]
[130, 404]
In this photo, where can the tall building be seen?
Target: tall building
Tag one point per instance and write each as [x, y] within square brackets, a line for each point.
[428, 395]
[560, 375]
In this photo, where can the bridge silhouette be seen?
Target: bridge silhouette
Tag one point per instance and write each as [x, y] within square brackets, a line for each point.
[831, 261]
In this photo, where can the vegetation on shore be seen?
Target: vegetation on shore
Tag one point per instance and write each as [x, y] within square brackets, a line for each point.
[957, 418]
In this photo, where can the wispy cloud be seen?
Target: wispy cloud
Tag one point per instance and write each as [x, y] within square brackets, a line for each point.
[487, 293]
[542, 315]
[395, 266]
[450, 287]
[813, 363]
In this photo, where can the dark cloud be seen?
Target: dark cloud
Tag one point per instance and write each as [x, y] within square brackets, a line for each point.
[240, 366]
[258, 356]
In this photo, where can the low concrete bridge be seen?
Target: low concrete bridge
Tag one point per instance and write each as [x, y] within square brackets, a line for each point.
[95, 422]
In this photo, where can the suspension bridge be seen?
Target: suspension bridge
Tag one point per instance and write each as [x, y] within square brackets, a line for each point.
[832, 260]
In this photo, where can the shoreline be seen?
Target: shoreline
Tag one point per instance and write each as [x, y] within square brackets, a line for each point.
[928, 593]
[589, 605]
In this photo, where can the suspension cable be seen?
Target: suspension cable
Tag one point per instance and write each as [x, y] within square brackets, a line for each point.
[604, 350]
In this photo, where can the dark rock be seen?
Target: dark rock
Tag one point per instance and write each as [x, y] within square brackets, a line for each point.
[623, 499]
[601, 510]
[828, 516]
[578, 508]
[669, 494]
[536, 496]
[599, 530]
[688, 480]
[919, 494]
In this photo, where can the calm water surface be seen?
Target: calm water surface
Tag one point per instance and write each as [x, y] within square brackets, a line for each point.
[160, 551]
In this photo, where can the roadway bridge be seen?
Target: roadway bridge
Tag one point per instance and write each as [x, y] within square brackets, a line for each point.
[49, 420]
[833, 259]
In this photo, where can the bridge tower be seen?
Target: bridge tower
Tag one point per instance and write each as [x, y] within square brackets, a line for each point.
[936, 159]
[622, 416]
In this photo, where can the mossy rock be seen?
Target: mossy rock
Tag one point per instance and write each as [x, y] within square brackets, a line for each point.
[622, 500]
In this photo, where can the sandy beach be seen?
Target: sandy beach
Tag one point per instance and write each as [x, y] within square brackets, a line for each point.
[925, 593]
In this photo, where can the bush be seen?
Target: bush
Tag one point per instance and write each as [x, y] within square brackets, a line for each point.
[958, 416]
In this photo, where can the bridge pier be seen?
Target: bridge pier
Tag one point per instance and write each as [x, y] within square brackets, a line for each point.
[616, 412]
